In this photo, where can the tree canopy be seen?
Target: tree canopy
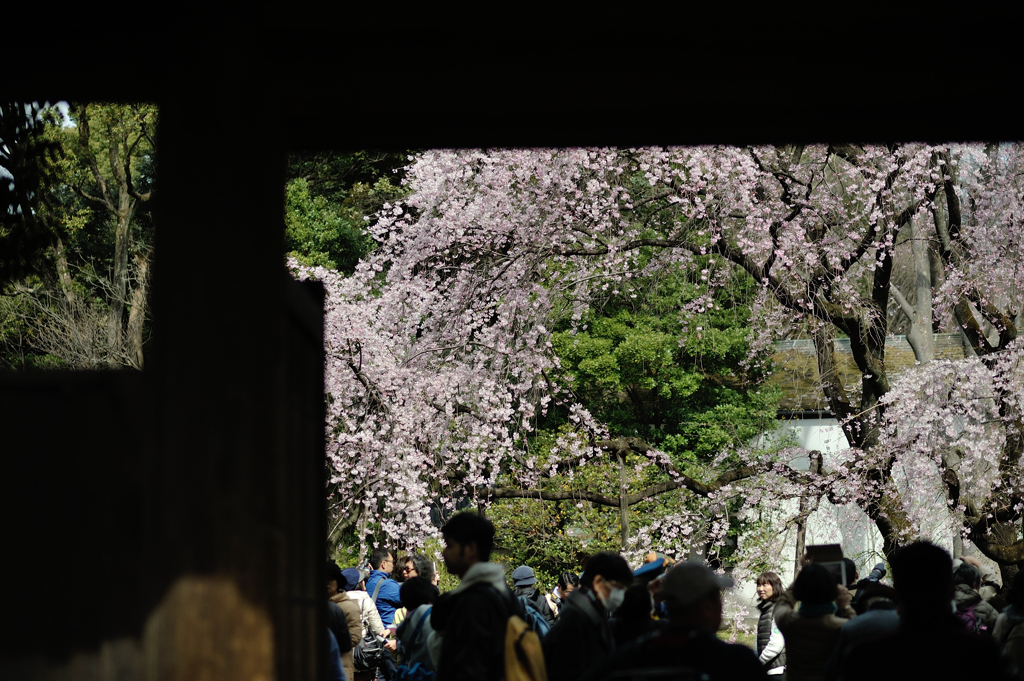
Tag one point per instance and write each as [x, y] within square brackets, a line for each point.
[80, 234]
[473, 319]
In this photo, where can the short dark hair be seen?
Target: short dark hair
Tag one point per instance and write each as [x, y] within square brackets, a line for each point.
[424, 566]
[378, 557]
[471, 528]
[967, 574]
[610, 565]
[875, 596]
[397, 574]
[417, 591]
[567, 578]
[773, 580]
[922, 574]
[815, 585]
[334, 573]
[636, 603]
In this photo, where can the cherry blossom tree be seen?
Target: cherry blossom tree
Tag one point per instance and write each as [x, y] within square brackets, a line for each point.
[440, 355]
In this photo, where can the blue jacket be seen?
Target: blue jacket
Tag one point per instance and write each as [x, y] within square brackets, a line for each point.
[388, 599]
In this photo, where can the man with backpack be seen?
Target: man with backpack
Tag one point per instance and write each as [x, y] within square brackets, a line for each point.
[385, 594]
[384, 590]
[524, 581]
[582, 638]
[473, 618]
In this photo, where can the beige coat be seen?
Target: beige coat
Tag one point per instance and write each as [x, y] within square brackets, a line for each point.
[355, 629]
[370, 616]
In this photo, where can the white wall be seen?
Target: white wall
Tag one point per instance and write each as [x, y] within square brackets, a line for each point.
[829, 524]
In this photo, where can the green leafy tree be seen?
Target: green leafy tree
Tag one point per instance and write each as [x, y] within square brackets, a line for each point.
[329, 200]
[88, 289]
[28, 163]
[661, 380]
[320, 233]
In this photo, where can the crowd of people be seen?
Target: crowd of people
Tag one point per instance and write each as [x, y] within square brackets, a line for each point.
[940, 618]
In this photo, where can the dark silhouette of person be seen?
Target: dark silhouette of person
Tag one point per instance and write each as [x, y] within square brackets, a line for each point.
[688, 647]
[931, 642]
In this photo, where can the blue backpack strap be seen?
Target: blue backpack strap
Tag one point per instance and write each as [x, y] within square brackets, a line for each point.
[419, 625]
[376, 589]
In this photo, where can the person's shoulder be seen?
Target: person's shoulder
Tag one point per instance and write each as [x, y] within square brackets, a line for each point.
[910, 652]
[575, 607]
[496, 596]
[698, 651]
[703, 639]
[735, 659]
[873, 620]
[350, 607]
[334, 612]
[987, 607]
[577, 599]
[476, 596]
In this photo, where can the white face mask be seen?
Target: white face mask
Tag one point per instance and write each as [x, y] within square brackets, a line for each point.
[614, 598]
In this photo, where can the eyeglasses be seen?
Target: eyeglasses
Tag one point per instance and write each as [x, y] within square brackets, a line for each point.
[410, 568]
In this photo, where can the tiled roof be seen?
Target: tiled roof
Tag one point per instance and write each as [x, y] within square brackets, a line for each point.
[796, 368]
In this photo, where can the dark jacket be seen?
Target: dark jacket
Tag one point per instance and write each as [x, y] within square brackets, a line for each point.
[1009, 636]
[1008, 619]
[870, 625]
[934, 647]
[335, 670]
[472, 620]
[581, 638]
[537, 600]
[966, 597]
[700, 653]
[809, 640]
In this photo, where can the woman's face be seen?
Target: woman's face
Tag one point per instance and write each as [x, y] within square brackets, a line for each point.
[765, 592]
[409, 571]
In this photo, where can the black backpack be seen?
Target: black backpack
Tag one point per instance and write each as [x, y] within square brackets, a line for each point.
[369, 653]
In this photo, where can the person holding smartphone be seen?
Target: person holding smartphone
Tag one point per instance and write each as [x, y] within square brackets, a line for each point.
[811, 631]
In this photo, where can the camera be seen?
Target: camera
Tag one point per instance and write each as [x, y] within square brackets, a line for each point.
[873, 577]
[876, 573]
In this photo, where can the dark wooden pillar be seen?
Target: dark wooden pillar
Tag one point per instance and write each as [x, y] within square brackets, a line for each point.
[170, 525]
